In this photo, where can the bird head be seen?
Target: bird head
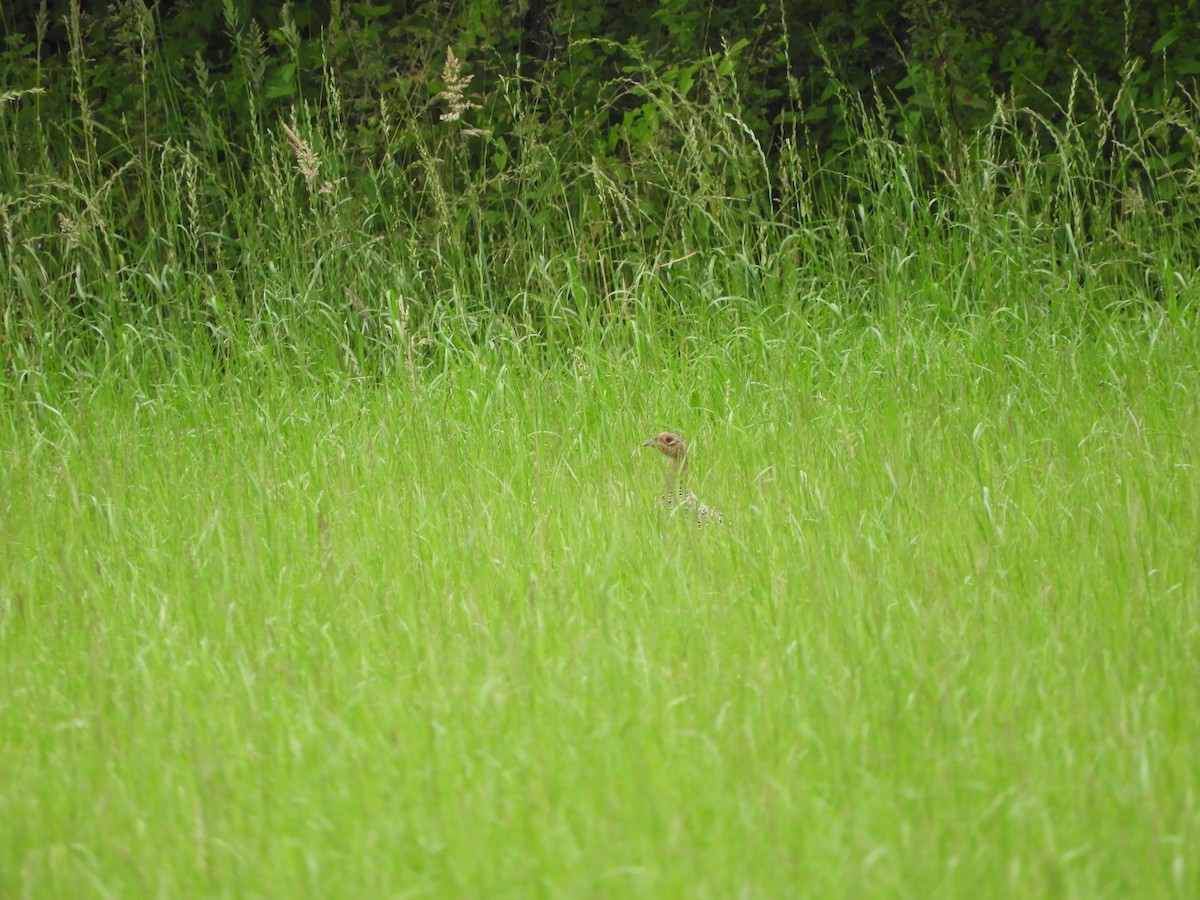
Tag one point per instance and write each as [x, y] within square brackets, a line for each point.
[672, 445]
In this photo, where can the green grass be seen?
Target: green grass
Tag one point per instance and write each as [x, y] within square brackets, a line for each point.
[274, 634]
[329, 558]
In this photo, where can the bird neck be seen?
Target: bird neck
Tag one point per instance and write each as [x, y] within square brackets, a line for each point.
[676, 472]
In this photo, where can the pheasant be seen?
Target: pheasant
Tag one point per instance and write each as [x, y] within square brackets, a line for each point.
[676, 493]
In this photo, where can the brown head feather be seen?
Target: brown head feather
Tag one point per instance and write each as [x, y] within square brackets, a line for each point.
[672, 445]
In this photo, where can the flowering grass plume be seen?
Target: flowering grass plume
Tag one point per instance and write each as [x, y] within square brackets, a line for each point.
[454, 90]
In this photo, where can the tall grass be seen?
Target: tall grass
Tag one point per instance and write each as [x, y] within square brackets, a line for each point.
[338, 638]
[312, 232]
[330, 565]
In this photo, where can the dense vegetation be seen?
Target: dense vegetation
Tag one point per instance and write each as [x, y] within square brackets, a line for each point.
[329, 562]
[548, 163]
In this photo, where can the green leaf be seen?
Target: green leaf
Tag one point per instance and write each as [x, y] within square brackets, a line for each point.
[1165, 41]
[367, 11]
[283, 82]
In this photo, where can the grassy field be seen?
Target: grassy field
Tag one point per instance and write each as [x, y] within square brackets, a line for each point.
[277, 633]
[330, 564]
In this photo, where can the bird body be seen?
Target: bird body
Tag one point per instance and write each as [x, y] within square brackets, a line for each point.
[676, 495]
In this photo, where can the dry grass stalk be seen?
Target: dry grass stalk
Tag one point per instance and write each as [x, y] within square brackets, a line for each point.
[308, 163]
[454, 90]
[70, 230]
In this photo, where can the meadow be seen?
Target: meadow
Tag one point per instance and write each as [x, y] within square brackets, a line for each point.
[330, 563]
[306, 636]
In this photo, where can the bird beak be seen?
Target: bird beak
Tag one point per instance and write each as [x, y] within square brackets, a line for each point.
[649, 443]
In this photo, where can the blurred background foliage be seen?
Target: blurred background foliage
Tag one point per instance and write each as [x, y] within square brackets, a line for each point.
[938, 68]
[469, 149]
